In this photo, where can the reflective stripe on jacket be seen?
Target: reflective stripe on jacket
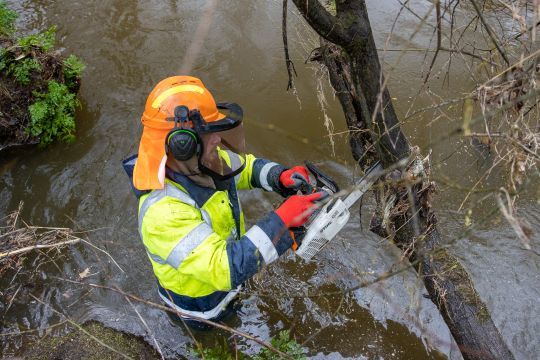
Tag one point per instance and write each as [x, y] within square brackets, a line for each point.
[196, 240]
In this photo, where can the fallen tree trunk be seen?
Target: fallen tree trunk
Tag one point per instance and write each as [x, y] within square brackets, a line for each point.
[404, 207]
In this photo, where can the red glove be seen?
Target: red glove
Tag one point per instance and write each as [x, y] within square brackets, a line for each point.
[296, 209]
[294, 177]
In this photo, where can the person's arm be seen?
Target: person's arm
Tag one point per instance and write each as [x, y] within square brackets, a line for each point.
[269, 175]
[180, 239]
[227, 264]
[176, 237]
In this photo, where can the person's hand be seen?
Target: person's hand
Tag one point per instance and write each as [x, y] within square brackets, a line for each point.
[294, 178]
[296, 210]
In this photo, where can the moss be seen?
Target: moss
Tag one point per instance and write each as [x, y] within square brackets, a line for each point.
[451, 269]
[78, 345]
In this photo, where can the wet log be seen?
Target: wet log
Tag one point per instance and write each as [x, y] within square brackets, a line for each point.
[348, 50]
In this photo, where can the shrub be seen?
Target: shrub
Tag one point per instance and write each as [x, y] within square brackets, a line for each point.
[22, 69]
[73, 68]
[39, 77]
[43, 40]
[3, 58]
[7, 20]
[52, 115]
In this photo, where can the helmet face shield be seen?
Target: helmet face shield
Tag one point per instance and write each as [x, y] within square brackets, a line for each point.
[223, 154]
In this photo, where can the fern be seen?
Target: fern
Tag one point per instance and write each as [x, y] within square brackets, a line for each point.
[7, 20]
[73, 68]
[43, 40]
[22, 69]
[3, 58]
[52, 115]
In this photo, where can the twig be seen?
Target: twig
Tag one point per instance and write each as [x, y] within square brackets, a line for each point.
[79, 327]
[288, 61]
[12, 298]
[103, 251]
[526, 31]
[33, 330]
[439, 35]
[47, 228]
[507, 212]
[489, 31]
[147, 328]
[28, 248]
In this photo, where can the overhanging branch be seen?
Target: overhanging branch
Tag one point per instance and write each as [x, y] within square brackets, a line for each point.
[326, 25]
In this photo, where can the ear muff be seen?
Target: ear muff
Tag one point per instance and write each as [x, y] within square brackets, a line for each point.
[183, 144]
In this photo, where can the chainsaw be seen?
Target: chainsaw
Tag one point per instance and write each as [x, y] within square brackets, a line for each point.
[325, 223]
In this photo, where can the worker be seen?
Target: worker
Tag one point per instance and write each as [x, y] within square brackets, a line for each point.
[190, 164]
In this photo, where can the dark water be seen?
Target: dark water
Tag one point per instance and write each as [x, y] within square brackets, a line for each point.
[129, 46]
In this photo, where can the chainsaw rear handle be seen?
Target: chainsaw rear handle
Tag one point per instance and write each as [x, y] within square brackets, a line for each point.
[323, 180]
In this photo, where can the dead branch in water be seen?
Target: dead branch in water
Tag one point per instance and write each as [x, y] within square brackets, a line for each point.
[17, 238]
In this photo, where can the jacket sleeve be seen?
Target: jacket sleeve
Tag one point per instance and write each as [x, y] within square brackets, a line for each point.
[263, 174]
[227, 264]
[261, 245]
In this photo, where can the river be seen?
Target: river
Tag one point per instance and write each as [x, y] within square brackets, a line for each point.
[128, 47]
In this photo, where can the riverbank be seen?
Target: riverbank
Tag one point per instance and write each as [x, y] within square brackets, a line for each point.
[90, 341]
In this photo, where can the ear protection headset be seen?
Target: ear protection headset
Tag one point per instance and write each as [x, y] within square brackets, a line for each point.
[183, 142]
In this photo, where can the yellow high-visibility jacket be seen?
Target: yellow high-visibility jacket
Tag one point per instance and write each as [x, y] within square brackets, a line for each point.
[196, 241]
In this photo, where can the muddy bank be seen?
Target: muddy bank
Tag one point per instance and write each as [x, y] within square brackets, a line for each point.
[90, 343]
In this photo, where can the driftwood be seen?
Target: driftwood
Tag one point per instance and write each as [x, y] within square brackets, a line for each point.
[17, 238]
[405, 215]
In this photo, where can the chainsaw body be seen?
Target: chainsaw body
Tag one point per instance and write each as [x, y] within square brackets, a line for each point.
[325, 223]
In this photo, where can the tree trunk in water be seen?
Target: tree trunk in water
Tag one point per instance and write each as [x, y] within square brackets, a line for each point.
[404, 209]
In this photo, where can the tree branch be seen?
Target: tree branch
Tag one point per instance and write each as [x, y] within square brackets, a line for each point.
[326, 25]
[288, 62]
[489, 31]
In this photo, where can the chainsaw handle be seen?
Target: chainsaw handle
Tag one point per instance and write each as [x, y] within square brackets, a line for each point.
[322, 180]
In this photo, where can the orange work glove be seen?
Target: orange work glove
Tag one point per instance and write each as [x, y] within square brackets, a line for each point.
[296, 210]
[294, 178]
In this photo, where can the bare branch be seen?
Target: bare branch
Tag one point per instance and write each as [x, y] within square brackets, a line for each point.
[326, 25]
[288, 62]
[490, 32]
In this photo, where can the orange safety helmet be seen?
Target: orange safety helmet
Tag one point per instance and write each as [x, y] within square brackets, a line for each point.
[159, 119]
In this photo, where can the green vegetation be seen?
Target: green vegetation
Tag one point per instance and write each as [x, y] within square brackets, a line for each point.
[22, 69]
[283, 343]
[45, 86]
[43, 40]
[52, 114]
[7, 20]
[73, 68]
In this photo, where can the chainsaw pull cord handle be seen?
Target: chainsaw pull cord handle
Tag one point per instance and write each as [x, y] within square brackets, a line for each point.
[294, 245]
[297, 235]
